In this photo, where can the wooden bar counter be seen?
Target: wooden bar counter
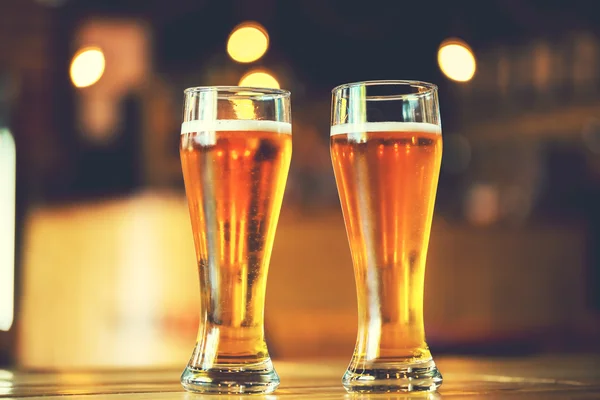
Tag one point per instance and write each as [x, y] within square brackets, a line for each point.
[543, 377]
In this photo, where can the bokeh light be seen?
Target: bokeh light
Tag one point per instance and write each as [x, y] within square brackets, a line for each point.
[456, 60]
[248, 42]
[87, 67]
[7, 228]
[259, 78]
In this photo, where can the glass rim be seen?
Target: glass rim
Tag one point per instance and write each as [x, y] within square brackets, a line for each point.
[425, 88]
[248, 92]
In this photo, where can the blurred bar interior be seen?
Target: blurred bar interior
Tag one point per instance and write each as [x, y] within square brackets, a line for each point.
[105, 276]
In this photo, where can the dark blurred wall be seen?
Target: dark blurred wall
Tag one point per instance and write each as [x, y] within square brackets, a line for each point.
[26, 58]
[28, 33]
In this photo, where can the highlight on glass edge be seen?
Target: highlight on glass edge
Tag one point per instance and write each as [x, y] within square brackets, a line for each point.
[235, 150]
[386, 149]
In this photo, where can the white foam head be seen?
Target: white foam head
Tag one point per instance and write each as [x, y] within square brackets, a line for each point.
[235, 125]
[355, 130]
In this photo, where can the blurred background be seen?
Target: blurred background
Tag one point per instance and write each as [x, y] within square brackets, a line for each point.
[91, 98]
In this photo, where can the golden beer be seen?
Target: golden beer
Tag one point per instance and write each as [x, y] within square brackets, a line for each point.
[387, 175]
[235, 173]
[387, 178]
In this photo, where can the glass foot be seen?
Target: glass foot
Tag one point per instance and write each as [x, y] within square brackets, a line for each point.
[385, 377]
[232, 379]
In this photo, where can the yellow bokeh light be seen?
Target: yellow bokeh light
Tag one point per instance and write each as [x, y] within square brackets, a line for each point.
[248, 42]
[87, 67]
[259, 78]
[456, 60]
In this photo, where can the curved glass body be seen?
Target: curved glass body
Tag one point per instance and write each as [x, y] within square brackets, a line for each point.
[386, 149]
[235, 150]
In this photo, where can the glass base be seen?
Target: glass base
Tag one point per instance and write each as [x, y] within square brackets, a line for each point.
[386, 377]
[232, 379]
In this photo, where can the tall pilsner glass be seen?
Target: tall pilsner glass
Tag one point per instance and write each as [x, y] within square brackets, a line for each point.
[235, 149]
[386, 148]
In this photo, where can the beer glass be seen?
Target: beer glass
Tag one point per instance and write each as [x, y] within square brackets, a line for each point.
[235, 150]
[386, 149]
